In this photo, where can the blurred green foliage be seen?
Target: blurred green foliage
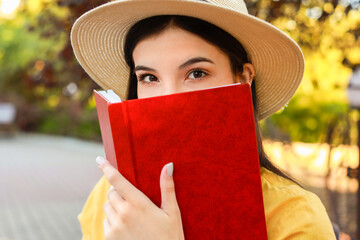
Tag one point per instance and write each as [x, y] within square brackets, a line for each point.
[40, 74]
[328, 33]
[54, 95]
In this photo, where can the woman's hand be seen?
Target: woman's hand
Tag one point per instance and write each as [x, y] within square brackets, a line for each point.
[132, 215]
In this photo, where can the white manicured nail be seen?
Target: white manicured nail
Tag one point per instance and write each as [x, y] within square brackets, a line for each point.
[99, 160]
[110, 188]
[170, 169]
[106, 226]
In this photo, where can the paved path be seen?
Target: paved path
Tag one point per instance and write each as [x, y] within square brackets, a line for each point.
[44, 182]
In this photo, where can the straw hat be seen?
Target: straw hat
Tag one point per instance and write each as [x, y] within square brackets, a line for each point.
[98, 37]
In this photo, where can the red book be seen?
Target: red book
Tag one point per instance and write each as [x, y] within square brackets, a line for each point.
[209, 135]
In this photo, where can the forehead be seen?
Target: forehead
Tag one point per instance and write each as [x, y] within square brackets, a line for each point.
[174, 41]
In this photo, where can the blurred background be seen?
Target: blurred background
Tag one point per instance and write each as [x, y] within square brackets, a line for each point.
[50, 137]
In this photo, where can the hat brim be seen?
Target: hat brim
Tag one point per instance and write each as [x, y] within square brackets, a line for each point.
[98, 38]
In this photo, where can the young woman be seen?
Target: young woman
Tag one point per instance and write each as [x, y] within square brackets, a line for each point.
[148, 48]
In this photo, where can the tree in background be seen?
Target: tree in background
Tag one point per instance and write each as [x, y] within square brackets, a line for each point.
[54, 94]
[328, 33]
[40, 73]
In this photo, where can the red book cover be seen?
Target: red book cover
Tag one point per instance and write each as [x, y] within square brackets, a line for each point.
[210, 137]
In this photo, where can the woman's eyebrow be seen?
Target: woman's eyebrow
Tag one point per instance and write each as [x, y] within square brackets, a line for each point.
[144, 68]
[195, 60]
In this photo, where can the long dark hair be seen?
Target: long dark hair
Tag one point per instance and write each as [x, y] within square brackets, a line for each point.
[210, 33]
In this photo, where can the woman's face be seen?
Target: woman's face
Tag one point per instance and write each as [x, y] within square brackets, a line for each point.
[178, 61]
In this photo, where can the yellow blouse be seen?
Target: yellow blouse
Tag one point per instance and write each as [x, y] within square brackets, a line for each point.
[291, 212]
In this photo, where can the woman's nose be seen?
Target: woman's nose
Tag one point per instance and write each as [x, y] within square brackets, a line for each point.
[172, 87]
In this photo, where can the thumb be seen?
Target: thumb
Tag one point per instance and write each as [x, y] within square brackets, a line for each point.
[167, 186]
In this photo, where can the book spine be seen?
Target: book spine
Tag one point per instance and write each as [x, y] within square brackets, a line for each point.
[105, 128]
[121, 132]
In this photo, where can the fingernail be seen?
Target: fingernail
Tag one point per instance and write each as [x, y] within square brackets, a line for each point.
[170, 169]
[99, 160]
[111, 188]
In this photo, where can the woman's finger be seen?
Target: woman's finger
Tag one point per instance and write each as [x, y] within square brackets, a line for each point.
[110, 214]
[167, 186]
[106, 226]
[115, 200]
[121, 184]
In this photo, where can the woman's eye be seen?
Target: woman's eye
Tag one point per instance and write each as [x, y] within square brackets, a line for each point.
[197, 74]
[147, 78]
